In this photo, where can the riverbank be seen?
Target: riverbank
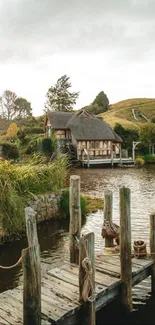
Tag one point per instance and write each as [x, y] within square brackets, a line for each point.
[21, 183]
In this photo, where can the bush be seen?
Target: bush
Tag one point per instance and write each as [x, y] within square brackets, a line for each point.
[140, 161]
[149, 158]
[10, 151]
[64, 204]
[47, 146]
[34, 130]
[34, 146]
[21, 134]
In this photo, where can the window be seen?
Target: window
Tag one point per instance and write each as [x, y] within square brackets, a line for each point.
[97, 144]
[92, 145]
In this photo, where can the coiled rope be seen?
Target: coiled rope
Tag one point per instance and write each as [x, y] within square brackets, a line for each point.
[88, 284]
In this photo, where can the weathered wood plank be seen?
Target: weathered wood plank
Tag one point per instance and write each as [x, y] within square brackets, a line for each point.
[66, 276]
[75, 217]
[141, 275]
[100, 278]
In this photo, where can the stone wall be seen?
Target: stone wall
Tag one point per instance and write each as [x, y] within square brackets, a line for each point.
[45, 206]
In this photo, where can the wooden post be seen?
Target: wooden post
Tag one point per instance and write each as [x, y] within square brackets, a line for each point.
[75, 218]
[108, 201]
[152, 249]
[86, 249]
[112, 155]
[120, 153]
[32, 273]
[31, 226]
[125, 248]
[32, 286]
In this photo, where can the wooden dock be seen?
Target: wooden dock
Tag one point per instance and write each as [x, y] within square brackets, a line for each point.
[107, 162]
[60, 291]
[72, 292]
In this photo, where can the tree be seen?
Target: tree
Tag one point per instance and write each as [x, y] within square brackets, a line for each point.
[127, 135]
[147, 134]
[102, 101]
[7, 104]
[100, 104]
[22, 108]
[59, 98]
[12, 130]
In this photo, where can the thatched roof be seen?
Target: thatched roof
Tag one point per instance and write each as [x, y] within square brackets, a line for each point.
[83, 125]
[59, 120]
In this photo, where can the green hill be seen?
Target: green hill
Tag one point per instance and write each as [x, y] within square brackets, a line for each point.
[121, 112]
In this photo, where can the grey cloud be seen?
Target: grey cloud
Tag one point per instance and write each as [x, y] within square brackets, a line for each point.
[30, 29]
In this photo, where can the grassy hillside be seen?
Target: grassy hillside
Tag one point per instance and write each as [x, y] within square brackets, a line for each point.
[121, 112]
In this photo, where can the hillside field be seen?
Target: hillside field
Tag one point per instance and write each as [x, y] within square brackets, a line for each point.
[121, 112]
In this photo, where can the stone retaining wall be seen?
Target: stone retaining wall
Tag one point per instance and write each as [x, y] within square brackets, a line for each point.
[45, 206]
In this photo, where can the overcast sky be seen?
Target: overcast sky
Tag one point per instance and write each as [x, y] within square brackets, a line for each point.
[100, 44]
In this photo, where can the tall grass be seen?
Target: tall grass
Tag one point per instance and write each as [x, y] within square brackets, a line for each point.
[19, 183]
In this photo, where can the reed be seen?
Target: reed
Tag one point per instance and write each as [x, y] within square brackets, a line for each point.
[19, 183]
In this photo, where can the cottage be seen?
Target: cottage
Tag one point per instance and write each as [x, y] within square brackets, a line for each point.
[91, 136]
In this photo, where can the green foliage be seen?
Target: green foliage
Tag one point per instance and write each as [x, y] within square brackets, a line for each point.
[12, 107]
[47, 146]
[21, 134]
[23, 108]
[64, 204]
[99, 105]
[59, 98]
[153, 120]
[127, 135]
[34, 146]
[10, 151]
[147, 134]
[33, 130]
[102, 101]
[149, 158]
[19, 183]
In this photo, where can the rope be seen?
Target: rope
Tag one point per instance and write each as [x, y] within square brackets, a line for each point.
[88, 285]
[11, 266]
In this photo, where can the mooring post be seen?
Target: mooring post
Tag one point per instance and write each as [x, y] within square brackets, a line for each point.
[125, 248]
[108, 202]
[87, 259]
[75, 218]
[32, 273]
[152, 250]
[32, 286]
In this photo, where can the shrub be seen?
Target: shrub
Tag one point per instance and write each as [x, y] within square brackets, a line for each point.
[34, 146]
[47, 146]
[140, 161]
[10, 151]
[21, 134]
[64, 204]
[34, 130]
[149, 158]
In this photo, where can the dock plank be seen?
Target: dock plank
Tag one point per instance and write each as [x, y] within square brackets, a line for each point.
[60, 290]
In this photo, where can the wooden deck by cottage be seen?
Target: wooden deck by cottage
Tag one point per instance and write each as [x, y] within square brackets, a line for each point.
[60, 291]
[72, 292]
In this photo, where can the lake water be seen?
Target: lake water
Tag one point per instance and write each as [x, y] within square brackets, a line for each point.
[54, 246]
